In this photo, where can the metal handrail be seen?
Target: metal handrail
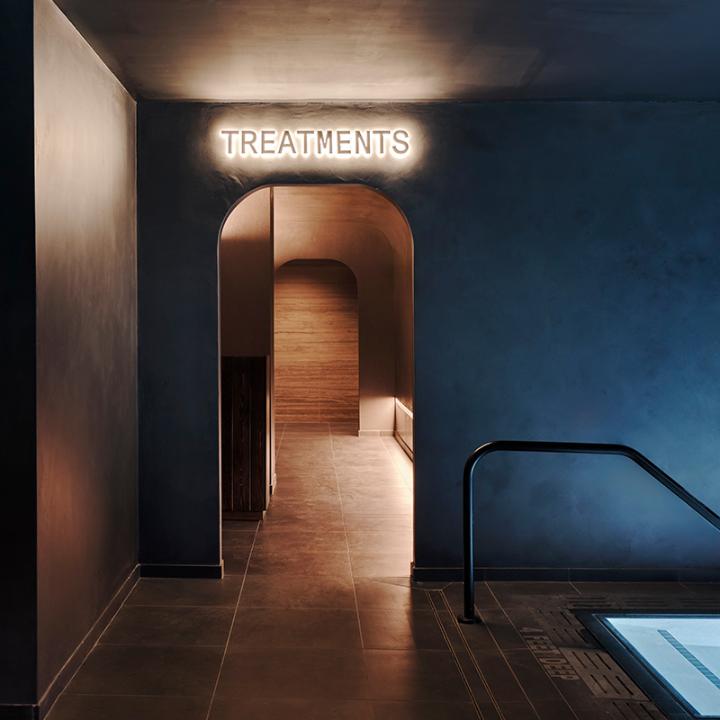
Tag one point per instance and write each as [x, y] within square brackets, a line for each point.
[551, 447]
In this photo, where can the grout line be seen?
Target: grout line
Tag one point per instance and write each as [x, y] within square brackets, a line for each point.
[91, 650]
[160, 645]
[232, 625]
[458, 664]
[507, 662]
[552, 680]
[473, 659]
[347, 542]
[134, 695]
[184, 605]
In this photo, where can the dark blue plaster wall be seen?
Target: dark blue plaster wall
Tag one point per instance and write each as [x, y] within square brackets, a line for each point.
[567, 286]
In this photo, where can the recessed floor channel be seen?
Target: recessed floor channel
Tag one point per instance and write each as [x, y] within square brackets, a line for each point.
[678, 653]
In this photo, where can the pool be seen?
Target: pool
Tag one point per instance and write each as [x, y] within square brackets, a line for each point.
[674, 658]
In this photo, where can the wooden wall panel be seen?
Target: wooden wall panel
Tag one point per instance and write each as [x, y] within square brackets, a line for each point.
[244, 432]
[316, 343]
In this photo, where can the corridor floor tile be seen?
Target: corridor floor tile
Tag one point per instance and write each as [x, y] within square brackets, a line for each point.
[137, 670]
[300, 562]
[389, 542]
[293, 673]
[118, 707]
[401, 629]
[363, 522]
[295, 591]
[424, 711]
[379, 508]
[285, 628]
[380, 564]
[238, 709]
[429, 675]
[169, 626]
[389, 593]
[156, 591]
[279, 541]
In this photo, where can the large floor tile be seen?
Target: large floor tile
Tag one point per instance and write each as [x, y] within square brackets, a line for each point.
[114, 707]
[315, 500]
[157, 591]
[417, 675]
[303, 516]
[300, 562]
[240, 709]
[240, 526]
[258, 628]
[391, 629]
[504, 682]
[362, 522]
[380, 564]
[285, 541]
[169, 626]
[237, 541]
[293, 673]
[424, 711]
[644, 589]
[297, 591]
[235, 560]
[378, 483]
[521, 590]
[374, 490]
[400, 505]
[313, 493]
[381, 542]
[124, 670]
[484, 597]
[389, 592]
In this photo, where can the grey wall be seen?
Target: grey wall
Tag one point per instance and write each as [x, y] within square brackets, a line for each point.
[17, 379]
[86, 337]
[567, 286]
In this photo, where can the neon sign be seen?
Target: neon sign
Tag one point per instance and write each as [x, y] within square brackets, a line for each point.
[343, 143]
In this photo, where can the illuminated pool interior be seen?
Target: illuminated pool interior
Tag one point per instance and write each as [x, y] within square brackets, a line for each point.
[681, 651]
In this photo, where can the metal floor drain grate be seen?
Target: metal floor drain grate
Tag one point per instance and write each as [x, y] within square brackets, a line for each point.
[633, 710]
[590, 602]
[602, 675]
[564, 629]
[699, 603]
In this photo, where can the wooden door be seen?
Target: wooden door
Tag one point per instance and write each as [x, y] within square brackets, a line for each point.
[244, 430]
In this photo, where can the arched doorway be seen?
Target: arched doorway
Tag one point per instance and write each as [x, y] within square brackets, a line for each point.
[355, 227]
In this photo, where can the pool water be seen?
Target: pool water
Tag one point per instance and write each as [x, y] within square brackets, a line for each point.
[683, 651]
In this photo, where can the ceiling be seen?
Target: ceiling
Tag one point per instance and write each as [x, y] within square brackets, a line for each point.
[404, 50]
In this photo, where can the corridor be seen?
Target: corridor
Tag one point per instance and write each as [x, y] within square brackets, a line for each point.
[315, 618]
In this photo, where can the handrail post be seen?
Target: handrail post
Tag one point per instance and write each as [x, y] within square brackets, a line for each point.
[468, 615]
[512, 446]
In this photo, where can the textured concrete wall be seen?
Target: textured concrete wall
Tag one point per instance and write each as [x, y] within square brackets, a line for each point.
[86, 337]
[567, 286]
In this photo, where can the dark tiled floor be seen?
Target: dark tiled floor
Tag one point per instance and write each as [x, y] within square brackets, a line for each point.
[316, 619]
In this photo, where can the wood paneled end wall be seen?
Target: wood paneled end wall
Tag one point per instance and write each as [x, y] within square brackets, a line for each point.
[316, 343]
